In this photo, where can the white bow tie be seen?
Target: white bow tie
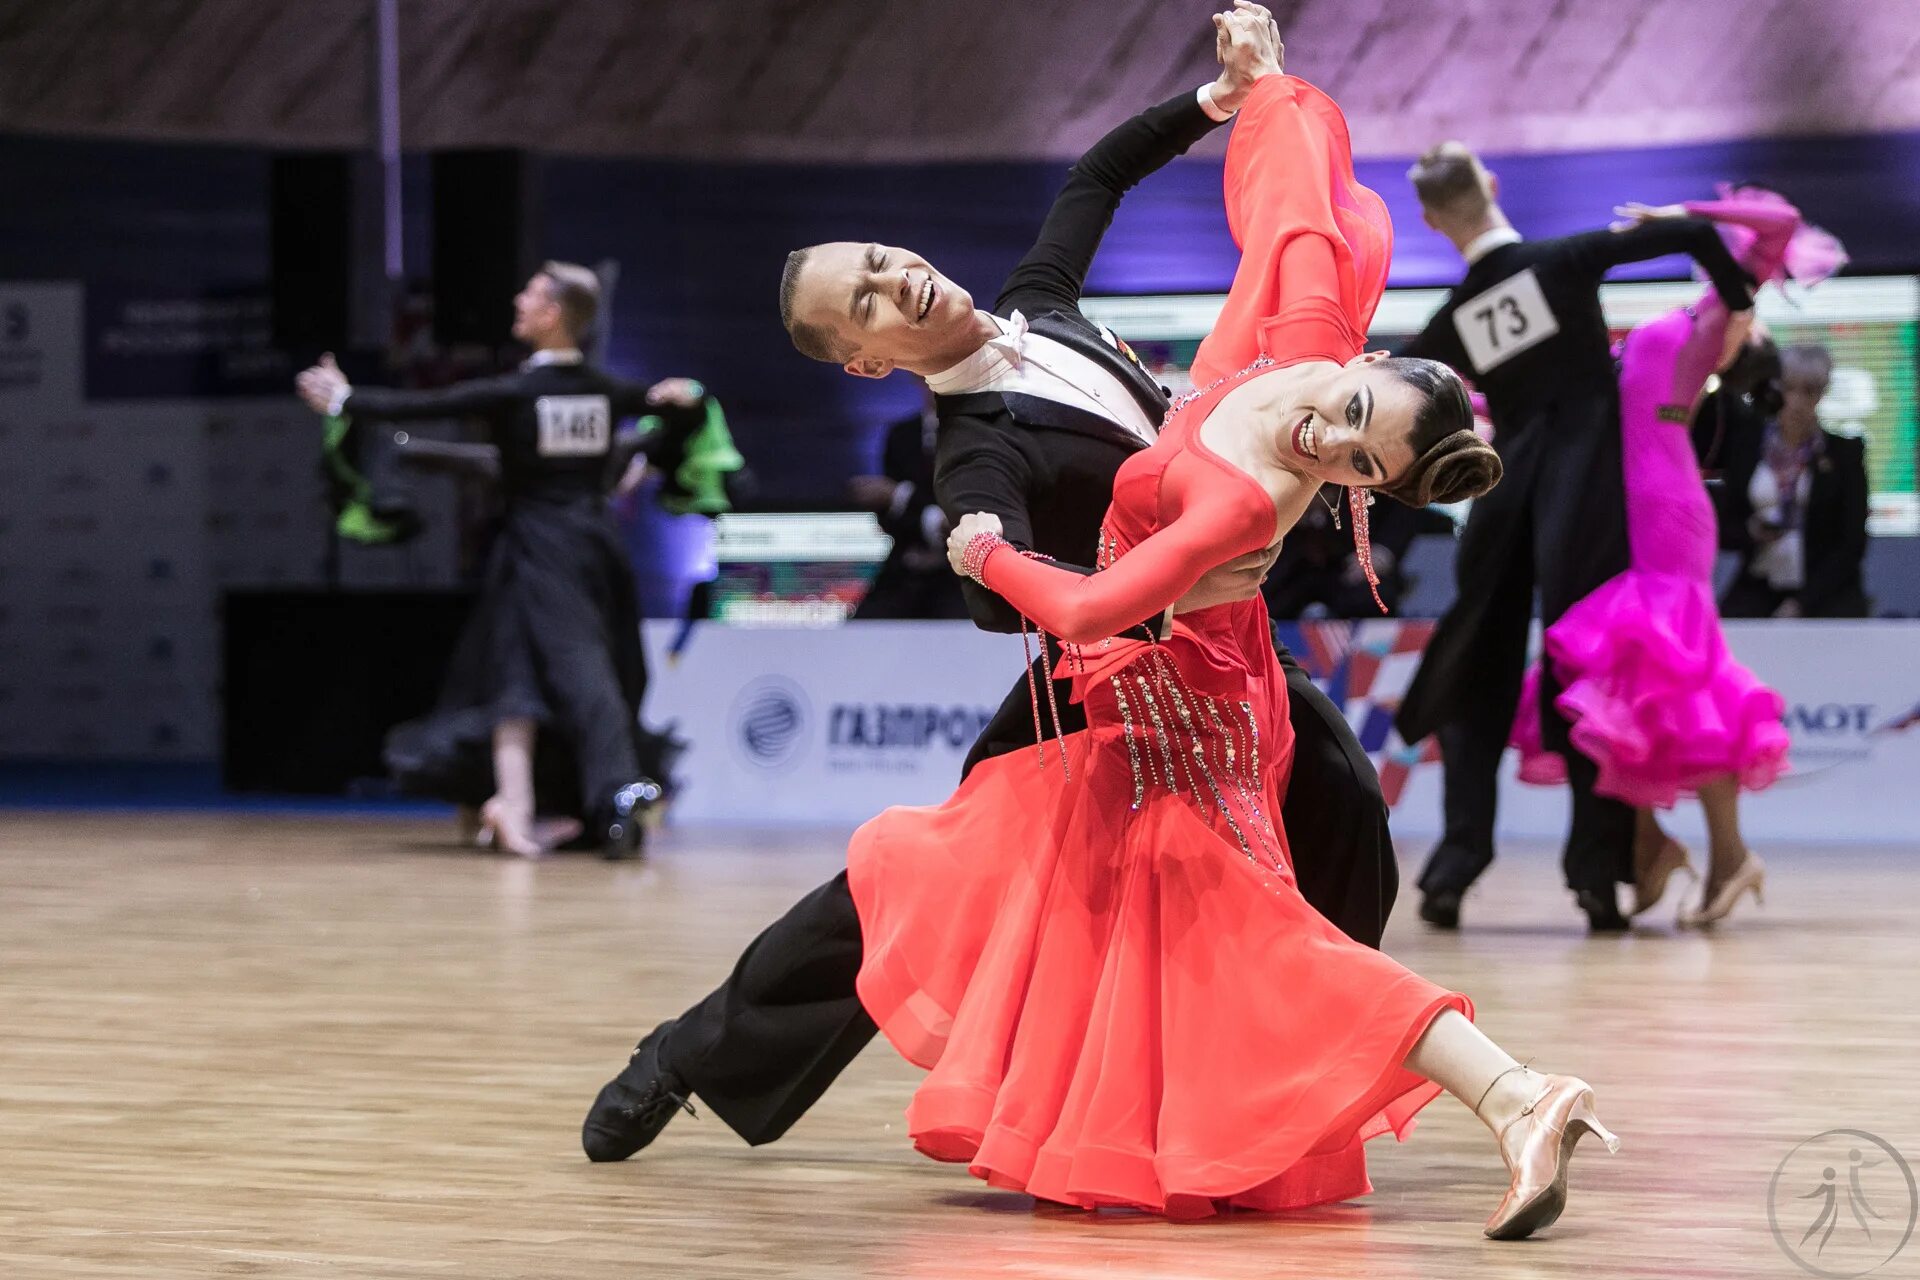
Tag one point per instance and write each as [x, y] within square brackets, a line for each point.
[1008, 343]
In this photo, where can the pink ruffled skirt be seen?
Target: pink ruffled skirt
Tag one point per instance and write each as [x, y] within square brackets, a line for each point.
[1653, 696]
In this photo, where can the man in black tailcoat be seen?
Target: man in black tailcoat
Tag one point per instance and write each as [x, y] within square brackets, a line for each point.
[1038, 407]
[553, 647]
[1525, 327]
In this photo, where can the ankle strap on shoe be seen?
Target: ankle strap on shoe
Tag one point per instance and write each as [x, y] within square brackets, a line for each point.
[1518, 1066]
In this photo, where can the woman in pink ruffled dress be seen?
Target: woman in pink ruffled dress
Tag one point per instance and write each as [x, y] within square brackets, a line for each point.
[1654, 696]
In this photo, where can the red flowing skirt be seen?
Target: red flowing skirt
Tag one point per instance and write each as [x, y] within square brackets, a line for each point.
[1132, 1005]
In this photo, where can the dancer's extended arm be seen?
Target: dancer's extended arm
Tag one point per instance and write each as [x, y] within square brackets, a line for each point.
[466, 400]
[1314, 243]
[1216, 525]
[1717, 332]
[1597, 252]
[980, 468]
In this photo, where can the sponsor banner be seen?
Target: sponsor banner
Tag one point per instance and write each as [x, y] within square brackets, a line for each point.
[825, 725]
[1853, 709]
[835, 725]
[1852, 691]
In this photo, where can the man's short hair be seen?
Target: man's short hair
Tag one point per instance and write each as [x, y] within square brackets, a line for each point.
[1808, 362]
[577, 291]
[1450, 181]
[816, 342]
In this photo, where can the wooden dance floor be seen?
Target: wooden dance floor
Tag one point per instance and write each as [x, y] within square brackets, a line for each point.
[265, 1046]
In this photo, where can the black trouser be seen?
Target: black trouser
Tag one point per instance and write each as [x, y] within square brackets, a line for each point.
[763, 1047]
[766, 1044]
[1556, 521]
[582, 616]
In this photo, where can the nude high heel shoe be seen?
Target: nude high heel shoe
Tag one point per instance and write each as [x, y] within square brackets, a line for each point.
[1751, 877]
[1648, 890]
[1559, 1116]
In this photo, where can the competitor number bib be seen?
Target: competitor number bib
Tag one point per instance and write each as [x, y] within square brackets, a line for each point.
[574, 426]
[1504, 321]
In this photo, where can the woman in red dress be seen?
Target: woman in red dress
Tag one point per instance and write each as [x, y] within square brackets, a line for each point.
[1136, 1007]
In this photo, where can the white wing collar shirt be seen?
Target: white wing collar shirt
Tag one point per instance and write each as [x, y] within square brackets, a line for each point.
[1035, 365]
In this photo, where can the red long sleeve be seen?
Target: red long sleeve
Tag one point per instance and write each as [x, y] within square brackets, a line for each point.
[1223, 516]
[1315, 244]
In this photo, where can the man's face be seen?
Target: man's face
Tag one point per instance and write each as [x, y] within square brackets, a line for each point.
[1800, 394]
[536, 315]
[886, 305]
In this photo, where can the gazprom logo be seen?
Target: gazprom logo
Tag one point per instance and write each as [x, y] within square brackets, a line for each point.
[769, 722]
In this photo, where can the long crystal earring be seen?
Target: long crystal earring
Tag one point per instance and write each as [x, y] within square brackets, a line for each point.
[1359, 500]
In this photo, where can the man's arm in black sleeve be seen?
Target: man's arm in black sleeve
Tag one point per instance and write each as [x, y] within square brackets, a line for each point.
[465, 400]
[669, 396]
[1055, 270]
[978, 468]
[629, 398]
[1597, 252]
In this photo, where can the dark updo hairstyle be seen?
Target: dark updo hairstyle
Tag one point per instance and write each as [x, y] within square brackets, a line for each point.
[1451, 463]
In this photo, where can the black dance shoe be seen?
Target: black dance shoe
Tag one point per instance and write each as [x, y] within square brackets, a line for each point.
[635, 1105]
[623, 835]
[1603, 910]
[1441, 908]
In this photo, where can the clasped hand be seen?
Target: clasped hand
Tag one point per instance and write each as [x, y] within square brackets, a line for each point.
[969, 528]
[1247, 43]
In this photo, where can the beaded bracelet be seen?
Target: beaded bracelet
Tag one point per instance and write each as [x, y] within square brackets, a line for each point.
[973, 560]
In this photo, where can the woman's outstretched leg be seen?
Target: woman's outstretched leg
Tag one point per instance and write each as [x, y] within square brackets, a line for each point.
[1535, 1118]
[1458, 1056]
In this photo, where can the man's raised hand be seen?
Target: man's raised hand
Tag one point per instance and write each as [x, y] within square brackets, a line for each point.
[1247, 43]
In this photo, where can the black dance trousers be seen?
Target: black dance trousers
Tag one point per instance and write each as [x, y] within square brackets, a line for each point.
[554, 638]
[581, 620]
[763, 1047]
[1556, 523]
